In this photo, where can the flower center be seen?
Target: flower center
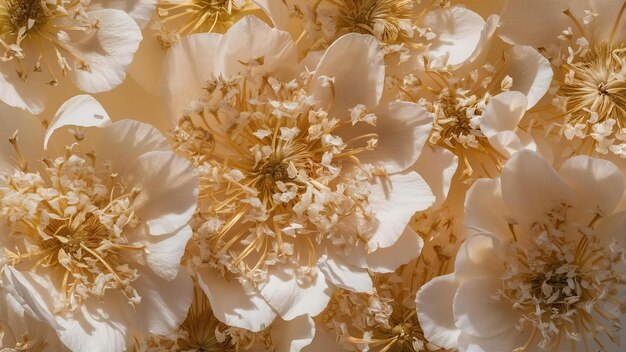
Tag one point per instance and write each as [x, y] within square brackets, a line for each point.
[194, 16]
[69, 228]
[272, 167]
[16, 14]
[564, 285]
[388, 20]
[595, 82]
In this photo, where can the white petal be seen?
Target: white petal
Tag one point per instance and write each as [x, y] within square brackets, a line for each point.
[402, 129]
[139, 10]
[480, 255]
[344, 275]
[164, 303]
[485, 210]
[29, 139]
[506, 341]
[122, 142]
[598, 184]
[169, 190]
[293, 335]
[27, 95]
[108, 52]
[233, 304]
[434, 311]
[29, 290]
[356, 81]
[80, 111]
[165, 252]
[291, 298]
[458, 31]
[508, 143]
[386, 260]
[97, 326]
[394, 202]
[531, 187]
[186, 68]
[534, 22]
[503, 113]
[251, 39]
[437, 166]
[611, 229]
[530, 71]
[478, 313]
[323, 341]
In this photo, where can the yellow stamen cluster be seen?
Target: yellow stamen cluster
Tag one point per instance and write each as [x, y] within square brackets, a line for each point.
[30, 35]
[196, 16]
[67, 225]
[275, 178]
[457, 105]
[385, 320]
[201, 331]
[564, 283]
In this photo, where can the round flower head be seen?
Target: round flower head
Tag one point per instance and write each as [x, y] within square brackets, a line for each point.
[384, 319]
[46, 42]
[304, 180]
[201, 331]
[544, 269]
[586, 44]
[478, 106]
[94, 225]
[176, 18]
[434, 31]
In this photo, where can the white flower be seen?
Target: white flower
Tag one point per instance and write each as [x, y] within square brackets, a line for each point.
[445, 35]
[329, 205]
[47, 41]
[586, 45]
[546, 254]
[94, 220]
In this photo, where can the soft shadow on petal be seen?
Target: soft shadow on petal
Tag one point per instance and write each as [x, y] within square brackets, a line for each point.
[292, 335]
[434, 311]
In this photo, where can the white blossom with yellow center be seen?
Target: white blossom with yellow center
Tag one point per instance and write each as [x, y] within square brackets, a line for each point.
[426, 31]
[587, 48]
[48, 42]
[544, 270]
[92, 240]
[304, 177]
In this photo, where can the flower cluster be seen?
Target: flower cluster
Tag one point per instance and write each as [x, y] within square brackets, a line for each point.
[312, 175]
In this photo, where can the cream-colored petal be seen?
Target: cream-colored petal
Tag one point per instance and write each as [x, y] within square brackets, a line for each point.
[402, 129]
[485, 210]
[251, 44]
[28, 95]
[531, 187]
[386, 260]
[234, 304]
[168, 190]
[434, 311]
[122, 142]
[478, 313]
[393, 202]
[79, 111]
[509, 340]
[598, 184]
[164, 303]
[292, 295]
[323, 341]
[29, 138]
[530, 71]
[139, 10]
[343, 275]
[108, 52]
[480, 255]
[292, 335]
[458, 30]
[355, 81]
[187, 66]
[503, 113]
[534, 22]
[164, 253]
[437, 166]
